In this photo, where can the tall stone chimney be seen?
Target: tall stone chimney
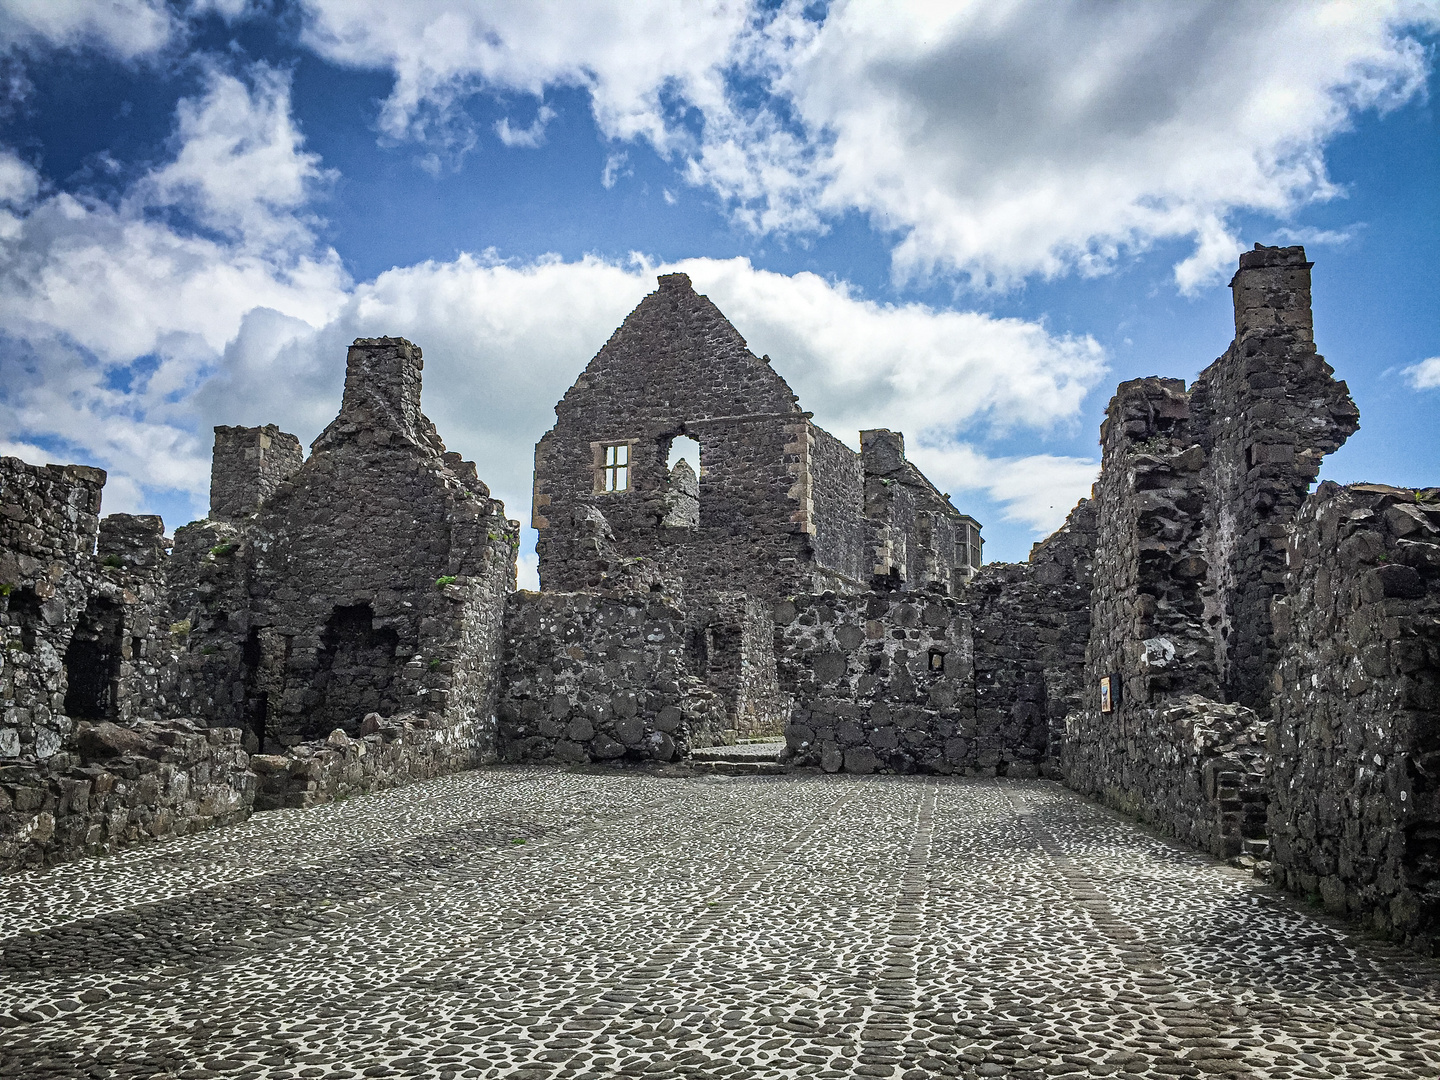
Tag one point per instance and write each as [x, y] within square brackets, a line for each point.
[1272, 293]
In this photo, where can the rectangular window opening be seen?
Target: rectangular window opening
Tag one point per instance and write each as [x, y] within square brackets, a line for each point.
[614, 469]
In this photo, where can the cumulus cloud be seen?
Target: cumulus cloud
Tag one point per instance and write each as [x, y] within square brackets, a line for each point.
[1036, 490]
[239, 167]
[629, 55]
[1425, 375]
[112, 316]
[128, 29]
[995, 139]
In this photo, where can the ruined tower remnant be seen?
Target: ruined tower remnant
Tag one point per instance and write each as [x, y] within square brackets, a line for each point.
[247, 466]
[1198, 490]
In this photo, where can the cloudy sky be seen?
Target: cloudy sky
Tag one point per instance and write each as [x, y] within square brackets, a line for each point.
[962, 220]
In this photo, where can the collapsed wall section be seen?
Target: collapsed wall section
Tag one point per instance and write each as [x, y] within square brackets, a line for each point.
[1355, 734]
[600, 678]
[119, 786]
[1031, 624]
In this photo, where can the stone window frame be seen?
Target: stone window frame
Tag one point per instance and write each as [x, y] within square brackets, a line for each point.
[604, 468]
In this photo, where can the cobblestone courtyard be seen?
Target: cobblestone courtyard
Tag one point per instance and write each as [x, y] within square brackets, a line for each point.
[543, 923]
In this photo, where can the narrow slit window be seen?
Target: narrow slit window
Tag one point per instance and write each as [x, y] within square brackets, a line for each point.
[615, 473]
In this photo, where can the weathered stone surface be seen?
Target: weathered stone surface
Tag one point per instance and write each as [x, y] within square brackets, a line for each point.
[122, 786]
[1355, 739]
[1197, 489]
[591, 677]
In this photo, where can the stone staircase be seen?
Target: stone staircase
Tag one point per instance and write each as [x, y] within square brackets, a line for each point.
[741, 759]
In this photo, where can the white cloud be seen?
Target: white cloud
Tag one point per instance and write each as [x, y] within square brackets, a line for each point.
[995, 139]
[113, 316]
[628, 54]
[1425, 375]
[1037, 490]
[128, 29]
[859, 364]
[239, 167]
[614, 164]
[528, 137]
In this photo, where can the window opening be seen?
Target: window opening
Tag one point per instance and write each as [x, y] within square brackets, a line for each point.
[682, 500]
[615, 472]
[683, 447]
[25, 614]
[357, 672]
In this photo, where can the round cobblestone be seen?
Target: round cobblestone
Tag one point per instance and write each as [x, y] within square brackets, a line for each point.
[544, 923]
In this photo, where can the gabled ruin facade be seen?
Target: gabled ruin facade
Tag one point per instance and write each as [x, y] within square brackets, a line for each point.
[1205, 643]
[775, 505]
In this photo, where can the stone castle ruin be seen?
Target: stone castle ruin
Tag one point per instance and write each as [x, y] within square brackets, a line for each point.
[1206, 644]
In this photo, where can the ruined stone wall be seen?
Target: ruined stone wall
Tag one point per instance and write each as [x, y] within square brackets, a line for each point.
[376, 572]
[599, 678]
[837, 494]
[145, 681]
[385, 753]
[1196, 493]
[117, 786]
[1168, 753]
[677, 367]
[918, 540]
[1031, 624]
[1267, 413]
[219, 650]
[49, 519]
[881, 682]
[1355, 734]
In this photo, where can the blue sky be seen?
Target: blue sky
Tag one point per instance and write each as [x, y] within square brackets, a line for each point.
[967, 222]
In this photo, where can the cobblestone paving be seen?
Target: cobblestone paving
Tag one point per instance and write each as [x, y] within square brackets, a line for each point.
[541, 923]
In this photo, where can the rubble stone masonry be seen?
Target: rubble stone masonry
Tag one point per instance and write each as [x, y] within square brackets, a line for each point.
[1355, 734]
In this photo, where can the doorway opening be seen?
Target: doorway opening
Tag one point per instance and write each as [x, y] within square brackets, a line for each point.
[92, 662]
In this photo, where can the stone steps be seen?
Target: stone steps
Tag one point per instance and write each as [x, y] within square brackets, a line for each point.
[741, 768]
[741, 759]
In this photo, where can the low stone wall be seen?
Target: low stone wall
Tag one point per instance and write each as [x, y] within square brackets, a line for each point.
[1355, 816]
[597, 678]
[1194, 768]
[389, 753]
[122, 786]
[881, 682]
